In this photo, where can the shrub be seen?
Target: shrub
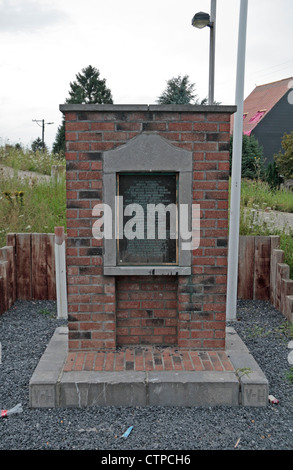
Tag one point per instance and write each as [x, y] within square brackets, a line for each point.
[284, 160]
[252, 158]
[273, 177]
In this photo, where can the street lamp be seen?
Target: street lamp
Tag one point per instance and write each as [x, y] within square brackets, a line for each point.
[200, 21]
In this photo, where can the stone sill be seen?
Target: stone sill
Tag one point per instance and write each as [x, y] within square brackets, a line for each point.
[147, 271]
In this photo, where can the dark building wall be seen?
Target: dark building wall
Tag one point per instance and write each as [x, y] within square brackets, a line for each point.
[269, 132]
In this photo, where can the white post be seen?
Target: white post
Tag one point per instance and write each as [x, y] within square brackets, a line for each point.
[236, 169]
[60, 267]
[212, 52]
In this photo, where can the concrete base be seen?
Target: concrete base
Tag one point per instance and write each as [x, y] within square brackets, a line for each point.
[51, 387]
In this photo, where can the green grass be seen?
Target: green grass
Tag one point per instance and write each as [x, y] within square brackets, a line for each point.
[28, 205]
[258, 193]
[289, 375]
[27, 160]
[31, 208]
[256, 196]
[286, 330]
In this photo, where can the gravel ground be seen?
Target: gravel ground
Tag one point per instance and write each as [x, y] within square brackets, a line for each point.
[25, 331]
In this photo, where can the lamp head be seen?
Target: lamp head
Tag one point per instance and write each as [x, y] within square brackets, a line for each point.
[201, 20]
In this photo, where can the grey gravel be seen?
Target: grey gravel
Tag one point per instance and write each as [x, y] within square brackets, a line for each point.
[25, 331]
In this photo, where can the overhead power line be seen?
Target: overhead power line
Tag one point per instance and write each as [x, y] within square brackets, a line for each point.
[43, 129]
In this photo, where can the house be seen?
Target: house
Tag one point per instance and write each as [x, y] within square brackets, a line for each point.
[268, 115]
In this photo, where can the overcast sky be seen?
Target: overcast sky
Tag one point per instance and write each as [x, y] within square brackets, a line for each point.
[137, 46]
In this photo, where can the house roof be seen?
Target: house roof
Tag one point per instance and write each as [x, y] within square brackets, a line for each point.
[260, 101]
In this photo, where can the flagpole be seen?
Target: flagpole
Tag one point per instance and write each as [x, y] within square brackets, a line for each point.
[234, 225]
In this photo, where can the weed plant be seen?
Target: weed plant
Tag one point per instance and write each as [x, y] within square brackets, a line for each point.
[27, 160]
[31, 204]
[257, 192]
[27, 206]
[289, 375]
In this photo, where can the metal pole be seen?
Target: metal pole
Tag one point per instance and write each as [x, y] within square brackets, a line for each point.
[236, 169]
[212, 51]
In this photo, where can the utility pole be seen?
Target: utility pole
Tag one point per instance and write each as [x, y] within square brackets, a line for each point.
[43, 129]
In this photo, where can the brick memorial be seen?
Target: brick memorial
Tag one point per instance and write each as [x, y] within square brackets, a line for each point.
[137, 290]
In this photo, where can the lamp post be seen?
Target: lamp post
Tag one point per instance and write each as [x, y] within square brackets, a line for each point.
[201, 20]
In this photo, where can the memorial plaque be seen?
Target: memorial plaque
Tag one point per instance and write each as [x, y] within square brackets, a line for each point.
[147, 212]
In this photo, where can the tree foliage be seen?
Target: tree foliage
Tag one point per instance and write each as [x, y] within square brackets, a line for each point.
[284, 159]
[273, 177]
[253, 166]
[88, 88]
[59, 144]
[38, 145]
[179, 90]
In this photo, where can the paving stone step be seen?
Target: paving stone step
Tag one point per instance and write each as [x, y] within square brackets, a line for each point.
[148, 359]
[147, 376]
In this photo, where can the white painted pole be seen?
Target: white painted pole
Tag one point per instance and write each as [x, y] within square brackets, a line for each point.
[60, 267]
[212, 52]
[236, 169]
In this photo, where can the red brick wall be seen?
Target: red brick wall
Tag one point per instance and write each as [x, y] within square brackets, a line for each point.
[146, 310]
[197, 305]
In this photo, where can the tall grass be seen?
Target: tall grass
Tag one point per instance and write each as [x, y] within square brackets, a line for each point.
[255, 217]
[257, 192]
[27, 160]
[30, 205]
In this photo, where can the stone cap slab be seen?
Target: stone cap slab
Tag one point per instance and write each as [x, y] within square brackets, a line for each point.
[186, 108]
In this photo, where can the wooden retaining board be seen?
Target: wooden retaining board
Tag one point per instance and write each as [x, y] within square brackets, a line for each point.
[34, 265]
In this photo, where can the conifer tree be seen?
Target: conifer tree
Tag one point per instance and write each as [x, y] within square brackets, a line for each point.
[253, 162]
[38, 145]
[59, 144]
[88, 88]
[179, 90]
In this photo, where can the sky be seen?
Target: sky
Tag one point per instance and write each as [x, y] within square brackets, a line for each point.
[137, 46]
